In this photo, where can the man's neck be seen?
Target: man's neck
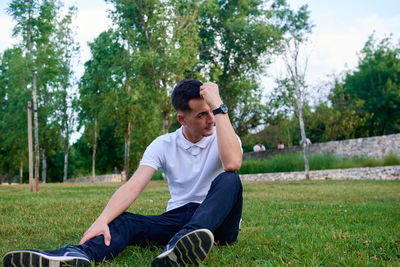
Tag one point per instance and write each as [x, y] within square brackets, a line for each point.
[189, 137]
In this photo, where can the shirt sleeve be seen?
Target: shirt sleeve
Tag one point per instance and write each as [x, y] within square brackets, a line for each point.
[240, 142]
[152, 155]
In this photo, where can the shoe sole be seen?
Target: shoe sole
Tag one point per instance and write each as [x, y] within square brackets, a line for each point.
[190, 248]
[37, 259]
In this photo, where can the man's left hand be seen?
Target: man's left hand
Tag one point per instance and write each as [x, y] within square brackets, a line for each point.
[210, 93]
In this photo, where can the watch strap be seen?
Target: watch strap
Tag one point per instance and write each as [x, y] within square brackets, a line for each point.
[222, 109]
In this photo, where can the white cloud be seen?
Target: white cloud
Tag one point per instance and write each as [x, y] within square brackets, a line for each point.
[90, 22]
[335, 45]
[6, 32]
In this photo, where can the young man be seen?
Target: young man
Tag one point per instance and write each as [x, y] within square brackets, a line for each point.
[199, 161]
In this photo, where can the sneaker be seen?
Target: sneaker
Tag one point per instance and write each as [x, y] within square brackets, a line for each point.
[68, 255]
[190, 248]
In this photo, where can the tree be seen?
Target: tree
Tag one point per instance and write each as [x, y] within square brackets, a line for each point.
[14, 95]
[161, 42]
[25, 14]
[335, 118]
[373, 89]
[163, 36]
[293, 86]
[238, 39]
[67, 49]
[37, 27]
[101, 77]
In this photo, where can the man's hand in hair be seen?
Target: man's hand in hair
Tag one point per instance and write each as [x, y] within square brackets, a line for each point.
[210, 93]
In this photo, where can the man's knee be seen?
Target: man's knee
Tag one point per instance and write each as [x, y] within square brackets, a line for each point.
[229, 179]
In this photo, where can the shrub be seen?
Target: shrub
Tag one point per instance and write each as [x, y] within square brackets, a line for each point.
[391, 159]
[295, 162]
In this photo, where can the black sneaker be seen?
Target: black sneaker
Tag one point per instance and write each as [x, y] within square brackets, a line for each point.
[190, 248]
[68, 255]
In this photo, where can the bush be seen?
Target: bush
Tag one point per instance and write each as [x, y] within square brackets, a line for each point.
[391, 159]
[295, 162]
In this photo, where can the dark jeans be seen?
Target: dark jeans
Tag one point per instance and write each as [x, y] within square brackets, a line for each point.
[220, 212]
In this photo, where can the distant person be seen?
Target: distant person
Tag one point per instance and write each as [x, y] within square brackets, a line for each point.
[115, 170]
[258, 147]
[281, 145]
[200, 161]
[262, 147]
[308, 142]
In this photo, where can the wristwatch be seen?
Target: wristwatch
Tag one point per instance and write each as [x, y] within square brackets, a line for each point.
[222, 109]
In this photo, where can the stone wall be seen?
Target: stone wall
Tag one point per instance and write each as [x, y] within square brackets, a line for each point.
[99, 178]
[375, 147]
[376, 173]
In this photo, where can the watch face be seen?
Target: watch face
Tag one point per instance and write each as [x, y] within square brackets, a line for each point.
[224, 108]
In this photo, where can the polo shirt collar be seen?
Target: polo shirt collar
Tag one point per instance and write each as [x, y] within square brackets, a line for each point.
[186, 144]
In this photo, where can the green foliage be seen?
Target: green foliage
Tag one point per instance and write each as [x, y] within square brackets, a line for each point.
[295, 162]
[391, 159]
[334, 123]
[162, 36]
[364, 103]
[157, 43]
[101, 77]
[304, 223]
[13, 116]
[373, 89]
[278, 163]
[46, 48]
[237, 41]
[158, 176]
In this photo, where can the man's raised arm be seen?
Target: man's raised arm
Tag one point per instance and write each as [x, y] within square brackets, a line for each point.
[121, 200]
[228, 144]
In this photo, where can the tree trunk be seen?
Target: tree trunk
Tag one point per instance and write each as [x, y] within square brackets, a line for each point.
[298, 82]
[289, 138]
[66, 146]
[9, 175]
[128, 133]
[66, 152]
[44, 166]
[94, 151]
[35, 107]
[165, 123]
[1, 176]
[30, 149]
[304, 143]
[127, 150]
[21, 171]
[36, 126]
[66, 131]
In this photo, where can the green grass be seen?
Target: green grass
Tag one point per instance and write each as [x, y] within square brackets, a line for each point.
[303, 223]
[295, 162]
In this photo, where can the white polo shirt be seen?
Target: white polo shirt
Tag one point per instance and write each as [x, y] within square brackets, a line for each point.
[189, 168]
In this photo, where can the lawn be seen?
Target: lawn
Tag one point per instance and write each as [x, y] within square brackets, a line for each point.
[299, 223]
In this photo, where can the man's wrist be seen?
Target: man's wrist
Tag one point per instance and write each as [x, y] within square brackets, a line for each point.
[222, 109]
[217, 105]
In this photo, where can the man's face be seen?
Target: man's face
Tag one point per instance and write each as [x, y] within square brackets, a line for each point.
[198, 122]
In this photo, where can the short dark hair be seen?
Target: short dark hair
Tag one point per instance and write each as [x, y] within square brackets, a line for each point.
[183, 92]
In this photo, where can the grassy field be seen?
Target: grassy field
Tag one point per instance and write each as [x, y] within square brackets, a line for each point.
[303, 223]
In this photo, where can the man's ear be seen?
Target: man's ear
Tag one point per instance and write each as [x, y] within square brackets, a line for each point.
[181, 118]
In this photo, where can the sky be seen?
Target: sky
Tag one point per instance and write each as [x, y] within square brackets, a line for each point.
[341, 28]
